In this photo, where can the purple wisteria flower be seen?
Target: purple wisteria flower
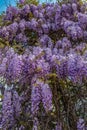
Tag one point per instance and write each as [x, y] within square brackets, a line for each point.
[35, 95]
[16, 104]
[46, 97]
[7, 111]
[82, 19]
[80, 124]
[22, 25]
[41, 92]
[14, 69]
[21, 1]
[3, 67]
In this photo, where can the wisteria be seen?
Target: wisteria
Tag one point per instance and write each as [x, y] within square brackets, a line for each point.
[7, 111]
[43, 66]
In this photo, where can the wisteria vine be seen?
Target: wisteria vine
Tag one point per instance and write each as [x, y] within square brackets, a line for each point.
[43, 64]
